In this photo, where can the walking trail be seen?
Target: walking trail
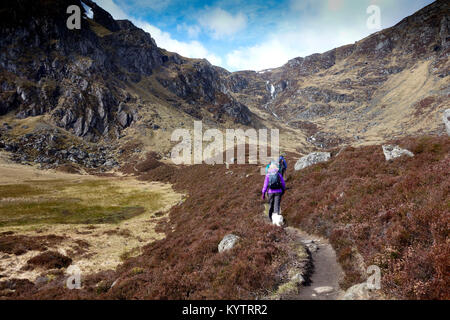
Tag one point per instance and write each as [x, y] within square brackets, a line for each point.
[326, 274]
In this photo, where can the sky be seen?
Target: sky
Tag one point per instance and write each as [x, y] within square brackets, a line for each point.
[259, 34]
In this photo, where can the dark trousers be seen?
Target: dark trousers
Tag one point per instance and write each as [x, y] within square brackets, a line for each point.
[274, 203]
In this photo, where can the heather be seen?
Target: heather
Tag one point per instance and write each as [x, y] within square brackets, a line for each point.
[394, 214]
[391, 214]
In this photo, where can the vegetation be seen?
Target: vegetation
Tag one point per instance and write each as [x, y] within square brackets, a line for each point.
[73, 202]
[391, 214]
[395, 214]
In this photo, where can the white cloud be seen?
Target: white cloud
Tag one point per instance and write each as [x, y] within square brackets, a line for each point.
[192, 30]
[305, 27]
[221, 23]
[113, 9]
[157, 5]
[280, 47]
[191, 49]
[269, 54]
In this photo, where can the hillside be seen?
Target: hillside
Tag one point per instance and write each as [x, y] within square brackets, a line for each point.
[86, 118]
[110, 81]
[393, 214]
[390, 84]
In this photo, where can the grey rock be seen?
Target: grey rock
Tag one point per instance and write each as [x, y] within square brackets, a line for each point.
[298, 278]
[311, 159]
[324, 290]
[392, 152]
[110, 163]
[124, 116]
[312, 247]
[228, 242]
[359, 291]
[446, 119]
[41, 281]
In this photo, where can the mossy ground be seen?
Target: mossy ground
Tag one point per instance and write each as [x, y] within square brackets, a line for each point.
[97, 221]
[72, 202]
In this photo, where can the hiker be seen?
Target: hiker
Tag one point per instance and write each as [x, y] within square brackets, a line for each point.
[282, 165]
[268, 166]
[274, 185]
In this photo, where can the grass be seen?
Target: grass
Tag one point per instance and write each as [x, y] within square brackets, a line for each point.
[72, 202]
[99, 30]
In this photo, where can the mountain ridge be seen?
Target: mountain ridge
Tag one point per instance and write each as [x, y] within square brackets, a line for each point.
[110, 81]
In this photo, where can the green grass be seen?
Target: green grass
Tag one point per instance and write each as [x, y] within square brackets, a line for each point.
[73, 202]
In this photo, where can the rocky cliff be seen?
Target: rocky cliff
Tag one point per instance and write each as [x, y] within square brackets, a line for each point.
[80, 77]
[392, 83]
[109, 81]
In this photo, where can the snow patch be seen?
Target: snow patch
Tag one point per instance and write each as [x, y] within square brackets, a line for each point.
[264, 71]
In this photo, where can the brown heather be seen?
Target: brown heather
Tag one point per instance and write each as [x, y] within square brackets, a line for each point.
[395, 214]
[392, 214]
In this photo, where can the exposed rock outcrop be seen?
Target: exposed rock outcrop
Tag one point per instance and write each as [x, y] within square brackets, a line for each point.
[98, 81]
[311, 159]
[228, 242]
[361, 291]
[80, 77]
[392, 152]
[446, 119]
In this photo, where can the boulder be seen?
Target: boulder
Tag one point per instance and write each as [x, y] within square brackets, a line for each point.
[361, 291]
[228, 242]
[393, 151]
[311, 159]
[324, 290]
[446, 119]
[124, 115]
[298, 278]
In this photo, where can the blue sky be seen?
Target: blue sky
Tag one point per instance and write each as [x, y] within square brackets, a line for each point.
[256, 35]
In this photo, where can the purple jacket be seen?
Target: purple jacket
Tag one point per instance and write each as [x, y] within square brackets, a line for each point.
[266, 182]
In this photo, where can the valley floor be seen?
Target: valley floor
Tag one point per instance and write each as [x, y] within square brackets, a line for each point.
[391, 214]
[98, 222]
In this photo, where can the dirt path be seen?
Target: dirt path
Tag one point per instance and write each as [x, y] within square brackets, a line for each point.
[324, 281]
[323, 284]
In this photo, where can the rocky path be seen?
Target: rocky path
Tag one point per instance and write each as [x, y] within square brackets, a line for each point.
[324, 281]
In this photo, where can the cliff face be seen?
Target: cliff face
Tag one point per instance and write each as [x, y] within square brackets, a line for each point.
[110, 80]
[392, 83]
[80, 77]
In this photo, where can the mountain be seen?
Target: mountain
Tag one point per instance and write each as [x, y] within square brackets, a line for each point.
[392, 83]
[100, 97]
[109, 86]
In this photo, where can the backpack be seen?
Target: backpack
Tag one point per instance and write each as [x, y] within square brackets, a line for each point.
[281, 164]
[274, 181]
